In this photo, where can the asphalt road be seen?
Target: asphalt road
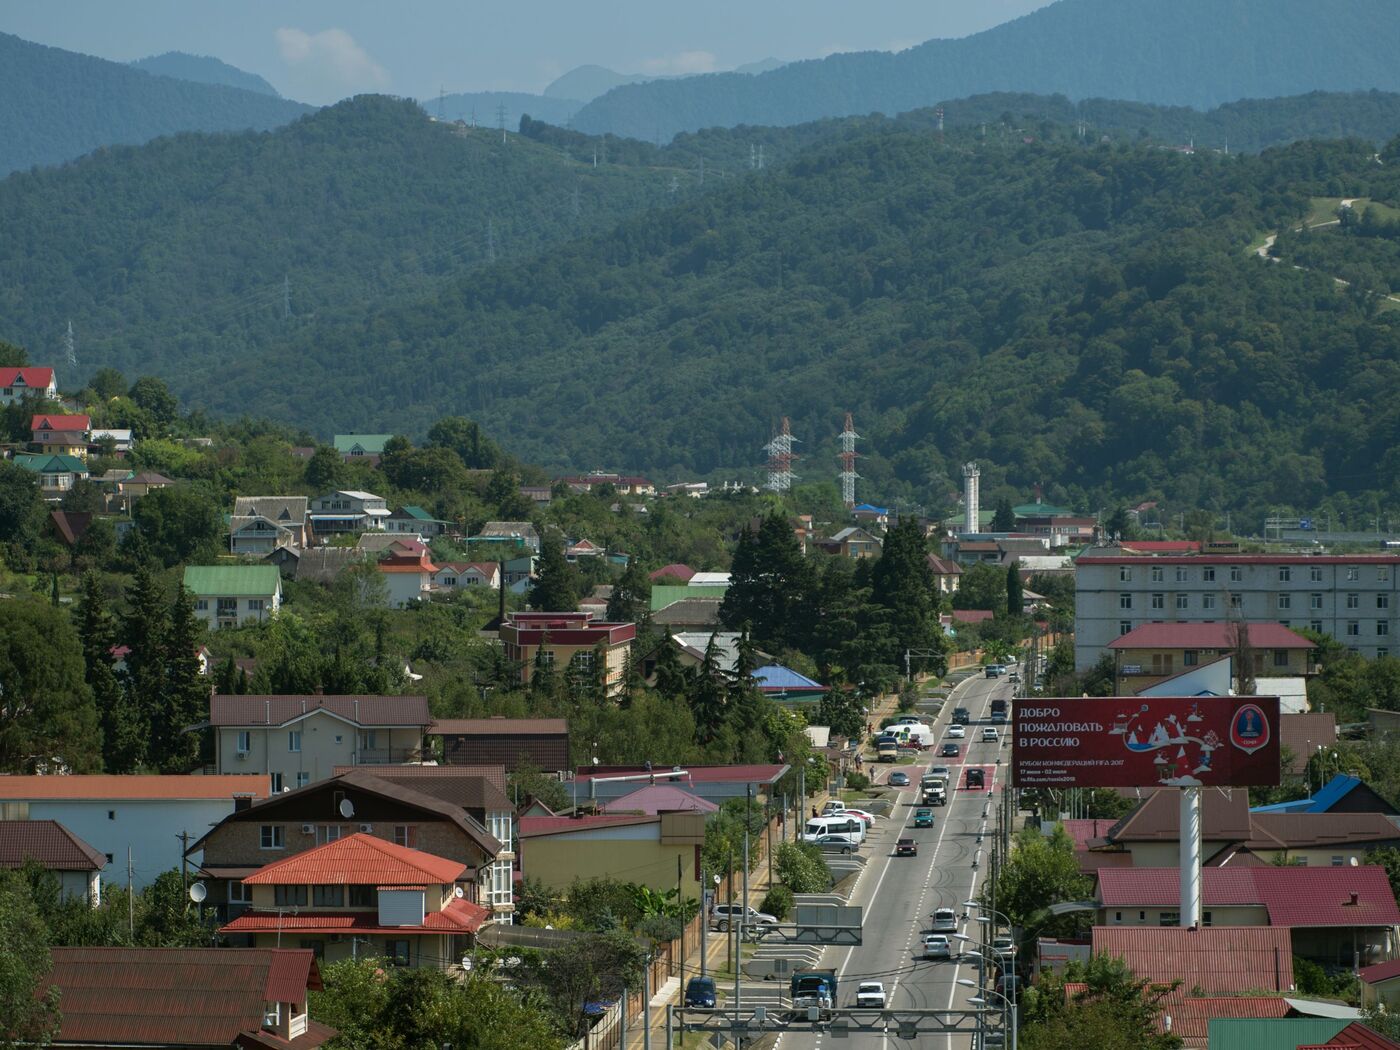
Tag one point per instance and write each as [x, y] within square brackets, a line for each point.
[899, 894]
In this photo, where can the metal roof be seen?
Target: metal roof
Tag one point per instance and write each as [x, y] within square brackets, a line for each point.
[358, 860]
[1332, 792]
[750, 774]
[455, 785]
[132, 786]
[532, 827]
[1221, 960]
[775, 677]
[659, 798]
[1273, 1034]
[1217, 635]
[239, 710]
[500, 726]
[49, 843]
[232, 581]
[460, 916]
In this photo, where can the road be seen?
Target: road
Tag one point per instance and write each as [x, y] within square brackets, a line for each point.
[899, 894]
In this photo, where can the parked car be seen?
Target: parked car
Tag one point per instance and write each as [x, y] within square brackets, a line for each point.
[720, 915]
[957, 732]
[990, 733]
[1009, 985]
[870, 993]
[976, 778]
[950, 750]
[1004, 948]
[836, 843]
[700, 991]
[945, 920]
[898, 779]
[937, 946]
[923, 818]
[1014, 676]
[906, 848]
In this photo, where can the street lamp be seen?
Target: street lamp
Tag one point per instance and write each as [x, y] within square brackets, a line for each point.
[980, 1000]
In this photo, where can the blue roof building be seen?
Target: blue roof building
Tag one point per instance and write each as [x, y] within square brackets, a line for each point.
[1342, 794]
[783, 685]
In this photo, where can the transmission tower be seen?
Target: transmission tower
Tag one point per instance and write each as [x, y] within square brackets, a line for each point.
[849, 437]
[442, 101]
[70, 347]
[780, 457]
[939, 113]
[501, 119]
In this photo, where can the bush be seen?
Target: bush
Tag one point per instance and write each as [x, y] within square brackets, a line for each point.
[660, 927]
[802, 869]
[857, 781]
[778, 903]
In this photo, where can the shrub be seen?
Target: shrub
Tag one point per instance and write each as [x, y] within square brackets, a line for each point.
[802, 869]
[857, 781]
[778, 903]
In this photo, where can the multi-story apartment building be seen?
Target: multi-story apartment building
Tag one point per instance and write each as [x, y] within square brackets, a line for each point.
[1352, 597]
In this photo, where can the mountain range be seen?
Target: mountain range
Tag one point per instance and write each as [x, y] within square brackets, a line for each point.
[204, 69]
[1198, 53]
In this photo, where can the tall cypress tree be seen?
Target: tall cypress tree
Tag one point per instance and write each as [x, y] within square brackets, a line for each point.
[631, 595]
[143, 632]
[902, 585]
[121, 731]
[1013, 590]
[556, 585]
[772, 588]
[185, 697]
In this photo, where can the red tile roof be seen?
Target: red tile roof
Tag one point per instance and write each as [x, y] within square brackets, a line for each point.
[1082, 832]
[1162, 546]
[531, 827]
[944, 567]
[460, 916]
[1221, 960]
[1224, 816]
[1383, 971]
[1272, 831]
[973, 615]
[1218, 635]
[1359, 1036]
[1161, 887]
[358, 860]
[34, 378]
[49, 843]
[395, 563]
[175, 996]
[133, 786]
[232, 710]
[67, 424]
[750, 774]
[675, 570]
[500, 726]
[1243, 559]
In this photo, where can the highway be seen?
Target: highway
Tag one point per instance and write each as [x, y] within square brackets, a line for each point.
[899, 894]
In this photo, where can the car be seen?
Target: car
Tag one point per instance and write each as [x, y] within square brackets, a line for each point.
[721, 913]
[937, 946]
[898, 779]
[1004, 948]
[700, 991]
[859, 814]
[957, 732]
[870, 993]
[835, 843]
[923, 818]
[993, 670]
[940, 771]
[950, 750]
[990, 733]
[906, 848]
[1009, 985]
[1014, 676]
[976, 778]
[961, 716]
[945, 920]
[907, 720]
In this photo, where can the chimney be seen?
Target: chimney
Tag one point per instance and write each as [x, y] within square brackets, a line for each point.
[1355, 900]
[972, 482]
[242, 802]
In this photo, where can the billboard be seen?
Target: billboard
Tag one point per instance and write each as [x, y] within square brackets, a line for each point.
[1138, 741]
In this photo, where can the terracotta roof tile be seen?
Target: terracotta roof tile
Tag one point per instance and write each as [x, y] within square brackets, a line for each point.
[358, 860]
[460, 916]
[505, 726]
[1220, 960]
[1218, 635]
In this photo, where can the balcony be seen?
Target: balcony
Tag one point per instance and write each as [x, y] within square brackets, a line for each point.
[388, 756]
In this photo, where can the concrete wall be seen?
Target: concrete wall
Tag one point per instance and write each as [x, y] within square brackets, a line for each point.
[556, 860]
[326, 742]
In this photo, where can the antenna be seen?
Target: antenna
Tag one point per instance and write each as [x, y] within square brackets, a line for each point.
[442, 98]
[198, 892]
[849, 437]
[347, 808]
[70, 347]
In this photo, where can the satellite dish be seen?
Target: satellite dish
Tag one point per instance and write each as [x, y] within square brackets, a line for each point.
[1353, 862]
[198, 892]
[459, 893]
[347, 808]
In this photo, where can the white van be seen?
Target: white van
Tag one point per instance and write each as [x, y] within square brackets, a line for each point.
[835, 824]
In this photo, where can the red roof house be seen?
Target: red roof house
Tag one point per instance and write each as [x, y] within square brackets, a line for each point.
[17, 383]
[674, 571]
[1220, 960]
[62, 434]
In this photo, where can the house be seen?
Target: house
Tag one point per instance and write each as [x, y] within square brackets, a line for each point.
[518, 572]
[142, 484]
[186, 998]
[510, 533]
[256, 536]
[540, 495]
[947, 574]
[315, 564]
[136, 814]
[47, 843]
[361, 893]
[541, 743]
[785, 686]
[661, 798]
[1380, 983]
[1219, 960]
[583, 548]
[415, 521]
[16, 384]
[58, 473]
[230, 595]
[285, 513]
[1063, 530]
[676, 572]
[70, 525]
[1295, 1032]
[650, 848]
[1154, 651]
[1304, 735]
[60, 434]
[349, 803]
[358, 447]
[464, 575]
[347, 510]
[568, 640]
[626, 485]
[664, 595]
[1342, 794]
[853, 542]
[717, 784]
[689, 614]
[109, 442]
[297, 740]
[388, 542]
[408, 578]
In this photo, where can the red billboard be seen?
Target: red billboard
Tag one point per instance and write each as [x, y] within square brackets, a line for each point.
[1141, 741]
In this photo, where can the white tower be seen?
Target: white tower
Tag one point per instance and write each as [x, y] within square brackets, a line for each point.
[780, 457]
[849, 437]
[972, 481]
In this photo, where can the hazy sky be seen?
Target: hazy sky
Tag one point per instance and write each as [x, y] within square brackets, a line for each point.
[322, 50]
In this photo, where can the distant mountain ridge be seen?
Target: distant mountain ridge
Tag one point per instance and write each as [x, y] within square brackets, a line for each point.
[204, 69]
[59, 105]
[1199, 53]
[486, 108]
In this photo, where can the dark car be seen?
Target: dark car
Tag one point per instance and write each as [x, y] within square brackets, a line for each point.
[950, 751]
[898, 779]
[906, 848]
[700, 991]
[976, 778]
[961, 716]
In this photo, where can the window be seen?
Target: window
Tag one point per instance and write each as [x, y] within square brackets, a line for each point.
[1181, 574]
[276, 779]
[1383, 574]
[1285, 601]
[245, 741]
[303, 779]
[1353, 574]
[1284, 574]
[1315, 573]
[1118, 916]
[1125, 574]
[1190, 658]
[1208, 574]
[111, 814]
[1280, 657]
[1236, 574]
[255, 605]
[1157, 574]
[1314, 601]
[397, 951]
[584, 660]
[1205, 918]
[289, 896]
[328, 896]
[1159, 601]
[1169, 918]
[294, 740]
[367, 740]
[1207, 601]
[1382, 601]
[1337, 861]
[329, 833]
[1125, 601]
[362, 896]
[1162, 664]
[1353, 628]
[405, 835]
[1382, 627]
[239, 893]
[1124, 626]
[270, 836]
[545, 657]
[1234, 599]
[201, 605]
[227, 606]
[1353, 601]
[1315, 625]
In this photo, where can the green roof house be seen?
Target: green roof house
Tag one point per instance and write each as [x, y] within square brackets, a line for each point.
[352, 446]
[229, 595]
[415, 521]
[57, 473]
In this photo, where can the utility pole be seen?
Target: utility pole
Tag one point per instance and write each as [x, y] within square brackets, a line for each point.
[184, 838]
[680, 902]
[704, 924]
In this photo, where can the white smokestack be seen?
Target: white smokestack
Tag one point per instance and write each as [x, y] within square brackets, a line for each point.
[972, 479]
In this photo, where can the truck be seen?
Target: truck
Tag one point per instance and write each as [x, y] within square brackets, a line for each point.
[933, 790]
[888, 751]
[814, 988]
[999, 709]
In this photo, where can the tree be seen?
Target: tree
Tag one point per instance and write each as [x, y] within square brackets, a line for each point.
[465, 438]
[1118, 525]
[122, 731]
[902, 584]
[708, 694]
[12, 356]
[772, 588]
[1004, 519]
[178, 522]
[153, 397]
[185, 696]
[843, 711]
[1041, 871]
[1013, 590]
[1113, 1011]
[598, 966]
[983, 586]
[630, 601]
[22, 512]
[30, 1012]
[326, 470]
[555, 588]
[107, 383]
[48, 723]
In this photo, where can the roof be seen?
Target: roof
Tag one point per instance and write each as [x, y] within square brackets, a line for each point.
[943, 567]
[675, 570]
[745, 774]
[663, 595]
[324, 564]
[42, 463]
[1224, 815]
[31, 377]
[777, 678]
[1273, 831]
[973, 615]
[133, 787]
[284, 510]
[508, 528]
[232, 581]
[1217, 635]
[688, 612]
[470, 787]
[70, 524]
[460, 916]
[1106, 558]
[1293, 896]
[407, 563]
[66, 424]
[1220, 960]
[500, 726]
[1303, 733]
[49, 843]
[176, 996]
[1382, 971]
[1038, 509]
[534, 827]
[371, 443]
[1162, 546]
[661, 798]
[1332, 792]
[358, 860]
[1360, 1036]
[1191, 1015]
[149, 477]
[239, 710]
[417, 513]
[1282, 1033]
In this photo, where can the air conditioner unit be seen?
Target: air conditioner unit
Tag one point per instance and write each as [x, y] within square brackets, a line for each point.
[308, 829]
[367, 828]
[242, 756]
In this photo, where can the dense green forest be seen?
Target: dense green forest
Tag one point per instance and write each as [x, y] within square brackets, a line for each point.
[58, 105]
[203, 69]
[1188, 52]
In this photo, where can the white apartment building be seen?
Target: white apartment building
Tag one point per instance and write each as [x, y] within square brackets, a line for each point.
[1352, 597]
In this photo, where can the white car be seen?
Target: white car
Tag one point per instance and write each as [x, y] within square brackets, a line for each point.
[870, 993]
[859, 814]
[945, 920]
[1004, 948]
[937, 946]
[956, 732]
[990, 733]
[940, 771]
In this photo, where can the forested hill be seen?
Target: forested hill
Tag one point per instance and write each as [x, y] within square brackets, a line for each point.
[56, 105]
[1186, 52]
[204, 69]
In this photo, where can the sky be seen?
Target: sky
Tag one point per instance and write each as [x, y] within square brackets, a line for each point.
[319, 51]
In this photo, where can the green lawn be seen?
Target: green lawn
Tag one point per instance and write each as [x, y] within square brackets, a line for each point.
[1383, 211]
[1324, 209]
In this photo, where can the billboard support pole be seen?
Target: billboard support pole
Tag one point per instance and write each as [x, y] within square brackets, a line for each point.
[1190, 860]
